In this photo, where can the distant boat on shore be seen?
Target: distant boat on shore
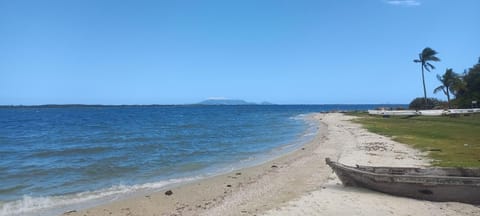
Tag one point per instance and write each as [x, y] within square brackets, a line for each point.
[438, 112]
[434, 184]
[393, 112]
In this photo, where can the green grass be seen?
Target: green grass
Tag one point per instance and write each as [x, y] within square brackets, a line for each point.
[450, 141]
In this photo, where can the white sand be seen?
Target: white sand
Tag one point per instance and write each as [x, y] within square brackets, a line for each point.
[363, 147]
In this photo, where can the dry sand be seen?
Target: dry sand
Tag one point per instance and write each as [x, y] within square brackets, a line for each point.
[298, 183]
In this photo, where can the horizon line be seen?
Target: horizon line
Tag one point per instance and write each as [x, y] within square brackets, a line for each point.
[190, 104]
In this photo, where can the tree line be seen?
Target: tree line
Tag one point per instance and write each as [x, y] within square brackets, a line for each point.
[462, 90]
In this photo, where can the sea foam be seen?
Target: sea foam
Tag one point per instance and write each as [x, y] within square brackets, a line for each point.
[54, 205]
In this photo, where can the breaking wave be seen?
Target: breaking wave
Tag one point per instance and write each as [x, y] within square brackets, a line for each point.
[52, 205]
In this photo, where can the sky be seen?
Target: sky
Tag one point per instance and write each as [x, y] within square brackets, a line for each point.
[186, 51]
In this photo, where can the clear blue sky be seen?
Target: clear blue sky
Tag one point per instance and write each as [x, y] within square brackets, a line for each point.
[184, 51]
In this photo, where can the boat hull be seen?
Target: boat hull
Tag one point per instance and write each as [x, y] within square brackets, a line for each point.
[441, 189]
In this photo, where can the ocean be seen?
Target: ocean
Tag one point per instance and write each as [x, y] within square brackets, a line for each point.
[54, 159]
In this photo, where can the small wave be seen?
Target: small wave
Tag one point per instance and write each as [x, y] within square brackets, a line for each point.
[308, 117]
[310, 122]
[29, 205]
[300, 117]
[309, 134]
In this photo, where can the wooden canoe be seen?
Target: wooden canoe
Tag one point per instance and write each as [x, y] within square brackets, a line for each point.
[434, 184]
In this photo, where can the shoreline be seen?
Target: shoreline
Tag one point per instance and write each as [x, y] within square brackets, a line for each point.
[58, 205]
[193, 198]
[297, 183]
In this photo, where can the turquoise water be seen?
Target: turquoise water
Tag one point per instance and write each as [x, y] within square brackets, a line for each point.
[54, 159]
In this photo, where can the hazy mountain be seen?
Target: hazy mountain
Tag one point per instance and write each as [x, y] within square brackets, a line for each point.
[225, 102]
[266, 103]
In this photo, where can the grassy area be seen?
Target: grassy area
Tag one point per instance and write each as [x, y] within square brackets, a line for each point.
[450, 141]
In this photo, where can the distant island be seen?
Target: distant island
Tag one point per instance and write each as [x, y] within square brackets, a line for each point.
[230, 102]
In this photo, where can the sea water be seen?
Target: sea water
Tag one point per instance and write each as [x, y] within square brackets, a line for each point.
[55, 159]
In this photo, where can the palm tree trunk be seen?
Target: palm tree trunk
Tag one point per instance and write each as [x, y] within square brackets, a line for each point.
[448, 98]
[424, 89]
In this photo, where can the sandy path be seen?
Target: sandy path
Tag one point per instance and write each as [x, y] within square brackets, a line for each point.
[298, 183]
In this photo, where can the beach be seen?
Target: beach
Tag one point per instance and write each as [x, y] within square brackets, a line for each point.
[298, 183]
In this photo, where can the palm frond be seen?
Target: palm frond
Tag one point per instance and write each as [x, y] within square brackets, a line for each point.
[427, 68]
[429, 65]
[433, 58]
[428, 52]
[441, 78]
[439, 88]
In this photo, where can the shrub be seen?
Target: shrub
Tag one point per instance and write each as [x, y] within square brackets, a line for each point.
[419, 103]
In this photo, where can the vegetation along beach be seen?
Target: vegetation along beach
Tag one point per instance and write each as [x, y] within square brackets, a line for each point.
[242, 108]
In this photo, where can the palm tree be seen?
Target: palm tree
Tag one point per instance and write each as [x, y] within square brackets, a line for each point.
[448, 80]
[427, 55]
